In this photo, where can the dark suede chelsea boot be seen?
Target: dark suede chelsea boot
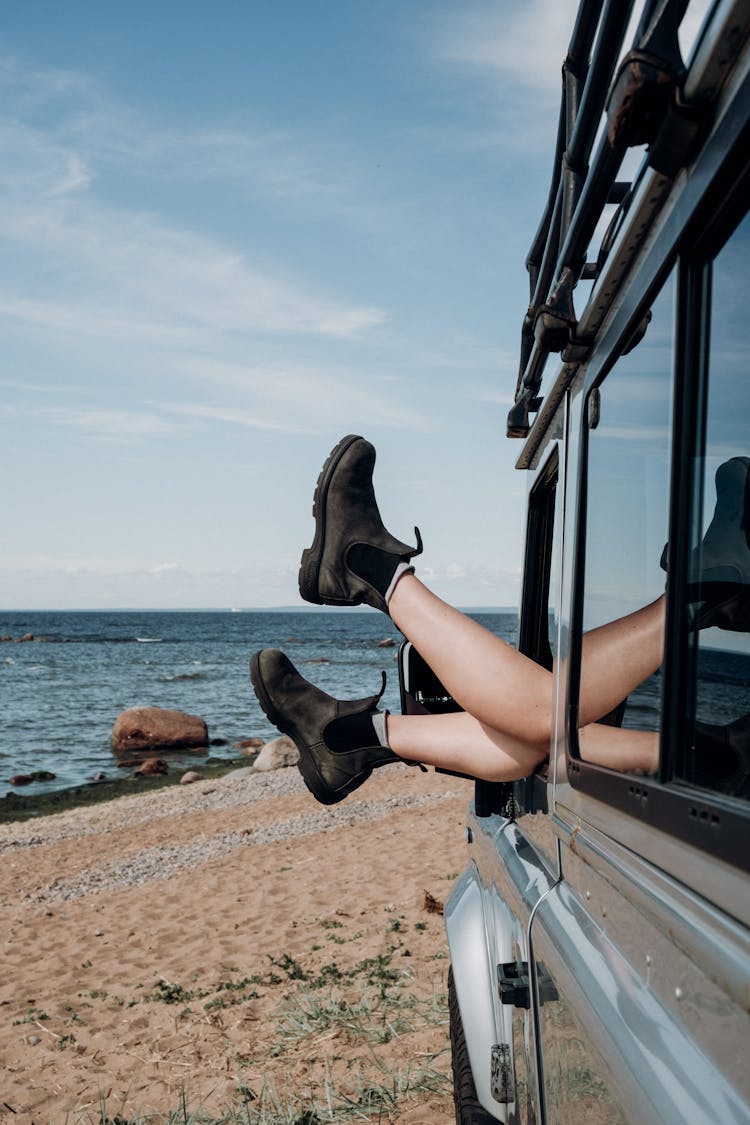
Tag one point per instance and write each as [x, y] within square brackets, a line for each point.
[337, 742]
[723, 584]
[352, 559]
[719, 572]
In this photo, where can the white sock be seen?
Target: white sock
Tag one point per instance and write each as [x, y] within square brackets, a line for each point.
[402, 569]
[379, 722]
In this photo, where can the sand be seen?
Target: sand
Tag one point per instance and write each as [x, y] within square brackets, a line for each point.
[232, 944]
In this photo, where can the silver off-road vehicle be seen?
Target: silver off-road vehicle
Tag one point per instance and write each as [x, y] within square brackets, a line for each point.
[599, 937]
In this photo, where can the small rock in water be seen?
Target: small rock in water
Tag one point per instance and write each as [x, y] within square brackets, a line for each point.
[26, 637]
[20, 779]
[249, 744]
[191, 776]
[42, 775]
[151, 767]
[387, 642]
[219, 742]
[100, 776]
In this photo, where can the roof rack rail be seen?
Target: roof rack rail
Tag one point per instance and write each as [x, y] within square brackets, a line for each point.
[640, 100]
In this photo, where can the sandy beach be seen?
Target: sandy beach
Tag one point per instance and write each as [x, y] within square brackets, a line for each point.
[232, 945]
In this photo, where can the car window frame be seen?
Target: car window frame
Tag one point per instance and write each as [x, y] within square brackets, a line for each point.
[709, 820]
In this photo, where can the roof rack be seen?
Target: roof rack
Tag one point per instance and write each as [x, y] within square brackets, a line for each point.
[640, 98]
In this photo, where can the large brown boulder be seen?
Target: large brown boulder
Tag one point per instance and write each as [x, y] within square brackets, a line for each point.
[155, 728]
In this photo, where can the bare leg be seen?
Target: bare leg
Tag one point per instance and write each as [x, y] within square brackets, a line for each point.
[632, 751]
[487, 677]
[460, 742]
[457, 741]
[507, 691]
[617, 657]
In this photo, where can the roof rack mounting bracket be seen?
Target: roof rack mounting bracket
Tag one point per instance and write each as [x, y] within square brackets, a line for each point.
[645, 84]
[639, 100]
[519, 423]
[555, 321]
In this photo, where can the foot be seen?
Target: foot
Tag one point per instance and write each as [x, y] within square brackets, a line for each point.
[352, 559]
[719, 587]
[723, 585]
[337, 742]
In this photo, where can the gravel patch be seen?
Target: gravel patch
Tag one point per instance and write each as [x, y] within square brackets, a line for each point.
[154, 864]
[240, 787]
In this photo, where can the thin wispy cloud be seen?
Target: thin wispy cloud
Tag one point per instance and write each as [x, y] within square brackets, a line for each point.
[307, 172]
[523, 43]
[121, 272]
[119, 424]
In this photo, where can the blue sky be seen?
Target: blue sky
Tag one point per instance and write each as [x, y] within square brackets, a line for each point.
[232, 233]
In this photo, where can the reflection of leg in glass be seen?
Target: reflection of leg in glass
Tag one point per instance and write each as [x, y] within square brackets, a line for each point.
[504, 729]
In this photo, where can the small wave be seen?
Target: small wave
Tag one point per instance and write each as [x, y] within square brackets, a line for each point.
[182, 676]
[148, 640]
[8, 660]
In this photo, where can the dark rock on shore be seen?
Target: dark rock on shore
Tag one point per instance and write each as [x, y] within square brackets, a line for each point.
[151, 767]
[155, 728]
[28, 778]
[15, 806]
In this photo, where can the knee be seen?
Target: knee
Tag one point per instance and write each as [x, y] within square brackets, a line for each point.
[536, 734]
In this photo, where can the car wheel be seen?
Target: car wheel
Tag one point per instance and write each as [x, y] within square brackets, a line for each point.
[468, 1109]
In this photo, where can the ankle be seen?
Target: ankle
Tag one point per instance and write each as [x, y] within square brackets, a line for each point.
[400, 572]
[377, 567]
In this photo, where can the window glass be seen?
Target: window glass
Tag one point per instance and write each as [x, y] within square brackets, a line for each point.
[537, 632]
[627, 505]
[718, 752]
[553, 592]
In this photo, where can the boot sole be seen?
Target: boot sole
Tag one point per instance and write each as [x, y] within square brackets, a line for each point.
[312, 556]
[306, 765]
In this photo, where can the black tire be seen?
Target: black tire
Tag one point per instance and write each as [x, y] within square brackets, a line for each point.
[468, 1109]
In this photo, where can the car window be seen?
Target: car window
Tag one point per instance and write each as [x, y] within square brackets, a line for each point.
[627, 495]
[717, 720]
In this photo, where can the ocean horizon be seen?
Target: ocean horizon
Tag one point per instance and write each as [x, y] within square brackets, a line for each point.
[61, 693]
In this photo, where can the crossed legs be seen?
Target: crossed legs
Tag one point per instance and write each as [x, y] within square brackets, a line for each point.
[505, 727]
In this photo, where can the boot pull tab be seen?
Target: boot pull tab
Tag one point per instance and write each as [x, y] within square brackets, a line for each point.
[419, 548]
[376, 698]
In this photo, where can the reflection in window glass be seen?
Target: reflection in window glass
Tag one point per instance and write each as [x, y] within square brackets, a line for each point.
[628, 495]
[554, 590]
[718, 756]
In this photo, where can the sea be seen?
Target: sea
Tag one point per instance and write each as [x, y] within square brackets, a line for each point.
[61, 693]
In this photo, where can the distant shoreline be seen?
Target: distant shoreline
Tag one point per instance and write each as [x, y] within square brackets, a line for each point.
[247, 609]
